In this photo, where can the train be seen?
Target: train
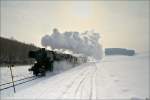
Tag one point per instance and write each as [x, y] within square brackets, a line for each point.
[44, 60]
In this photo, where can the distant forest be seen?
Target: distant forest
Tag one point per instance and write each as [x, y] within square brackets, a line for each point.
[15, 52]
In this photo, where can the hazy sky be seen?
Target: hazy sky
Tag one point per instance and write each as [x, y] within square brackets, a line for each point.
[120, 23]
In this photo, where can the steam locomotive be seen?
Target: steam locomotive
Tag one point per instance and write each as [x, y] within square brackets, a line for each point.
[45, 59]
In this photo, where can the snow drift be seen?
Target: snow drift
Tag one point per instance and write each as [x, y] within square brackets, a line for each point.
[86, 43]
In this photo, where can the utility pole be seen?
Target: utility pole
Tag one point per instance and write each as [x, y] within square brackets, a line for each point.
[12, 77]
[11, 56]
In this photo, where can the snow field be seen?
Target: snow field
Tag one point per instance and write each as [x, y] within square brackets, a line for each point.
[18, 72]
[114, 77]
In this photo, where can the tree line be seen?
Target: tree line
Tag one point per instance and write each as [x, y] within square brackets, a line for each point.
[15, 52]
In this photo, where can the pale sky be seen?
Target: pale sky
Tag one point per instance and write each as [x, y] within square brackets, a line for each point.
[120, 23]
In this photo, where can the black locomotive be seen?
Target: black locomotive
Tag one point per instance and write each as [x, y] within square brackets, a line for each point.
[45, 59]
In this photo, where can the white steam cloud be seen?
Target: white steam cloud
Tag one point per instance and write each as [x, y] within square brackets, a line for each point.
[61, 66]
[86, 43]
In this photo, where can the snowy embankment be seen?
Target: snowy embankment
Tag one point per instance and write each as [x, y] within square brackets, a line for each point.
[114, 77]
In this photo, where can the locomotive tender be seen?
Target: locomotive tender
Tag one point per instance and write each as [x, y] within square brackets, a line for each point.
[45, 59]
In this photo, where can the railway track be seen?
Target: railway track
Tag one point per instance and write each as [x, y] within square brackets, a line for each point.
[17, 82]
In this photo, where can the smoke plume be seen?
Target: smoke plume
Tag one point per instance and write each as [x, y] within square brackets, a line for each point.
[86, 43]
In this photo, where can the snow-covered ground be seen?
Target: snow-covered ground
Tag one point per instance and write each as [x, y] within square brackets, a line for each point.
[114, 77]
[18, 72]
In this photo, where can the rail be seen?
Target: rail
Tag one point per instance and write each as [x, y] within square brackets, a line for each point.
[4, 84]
